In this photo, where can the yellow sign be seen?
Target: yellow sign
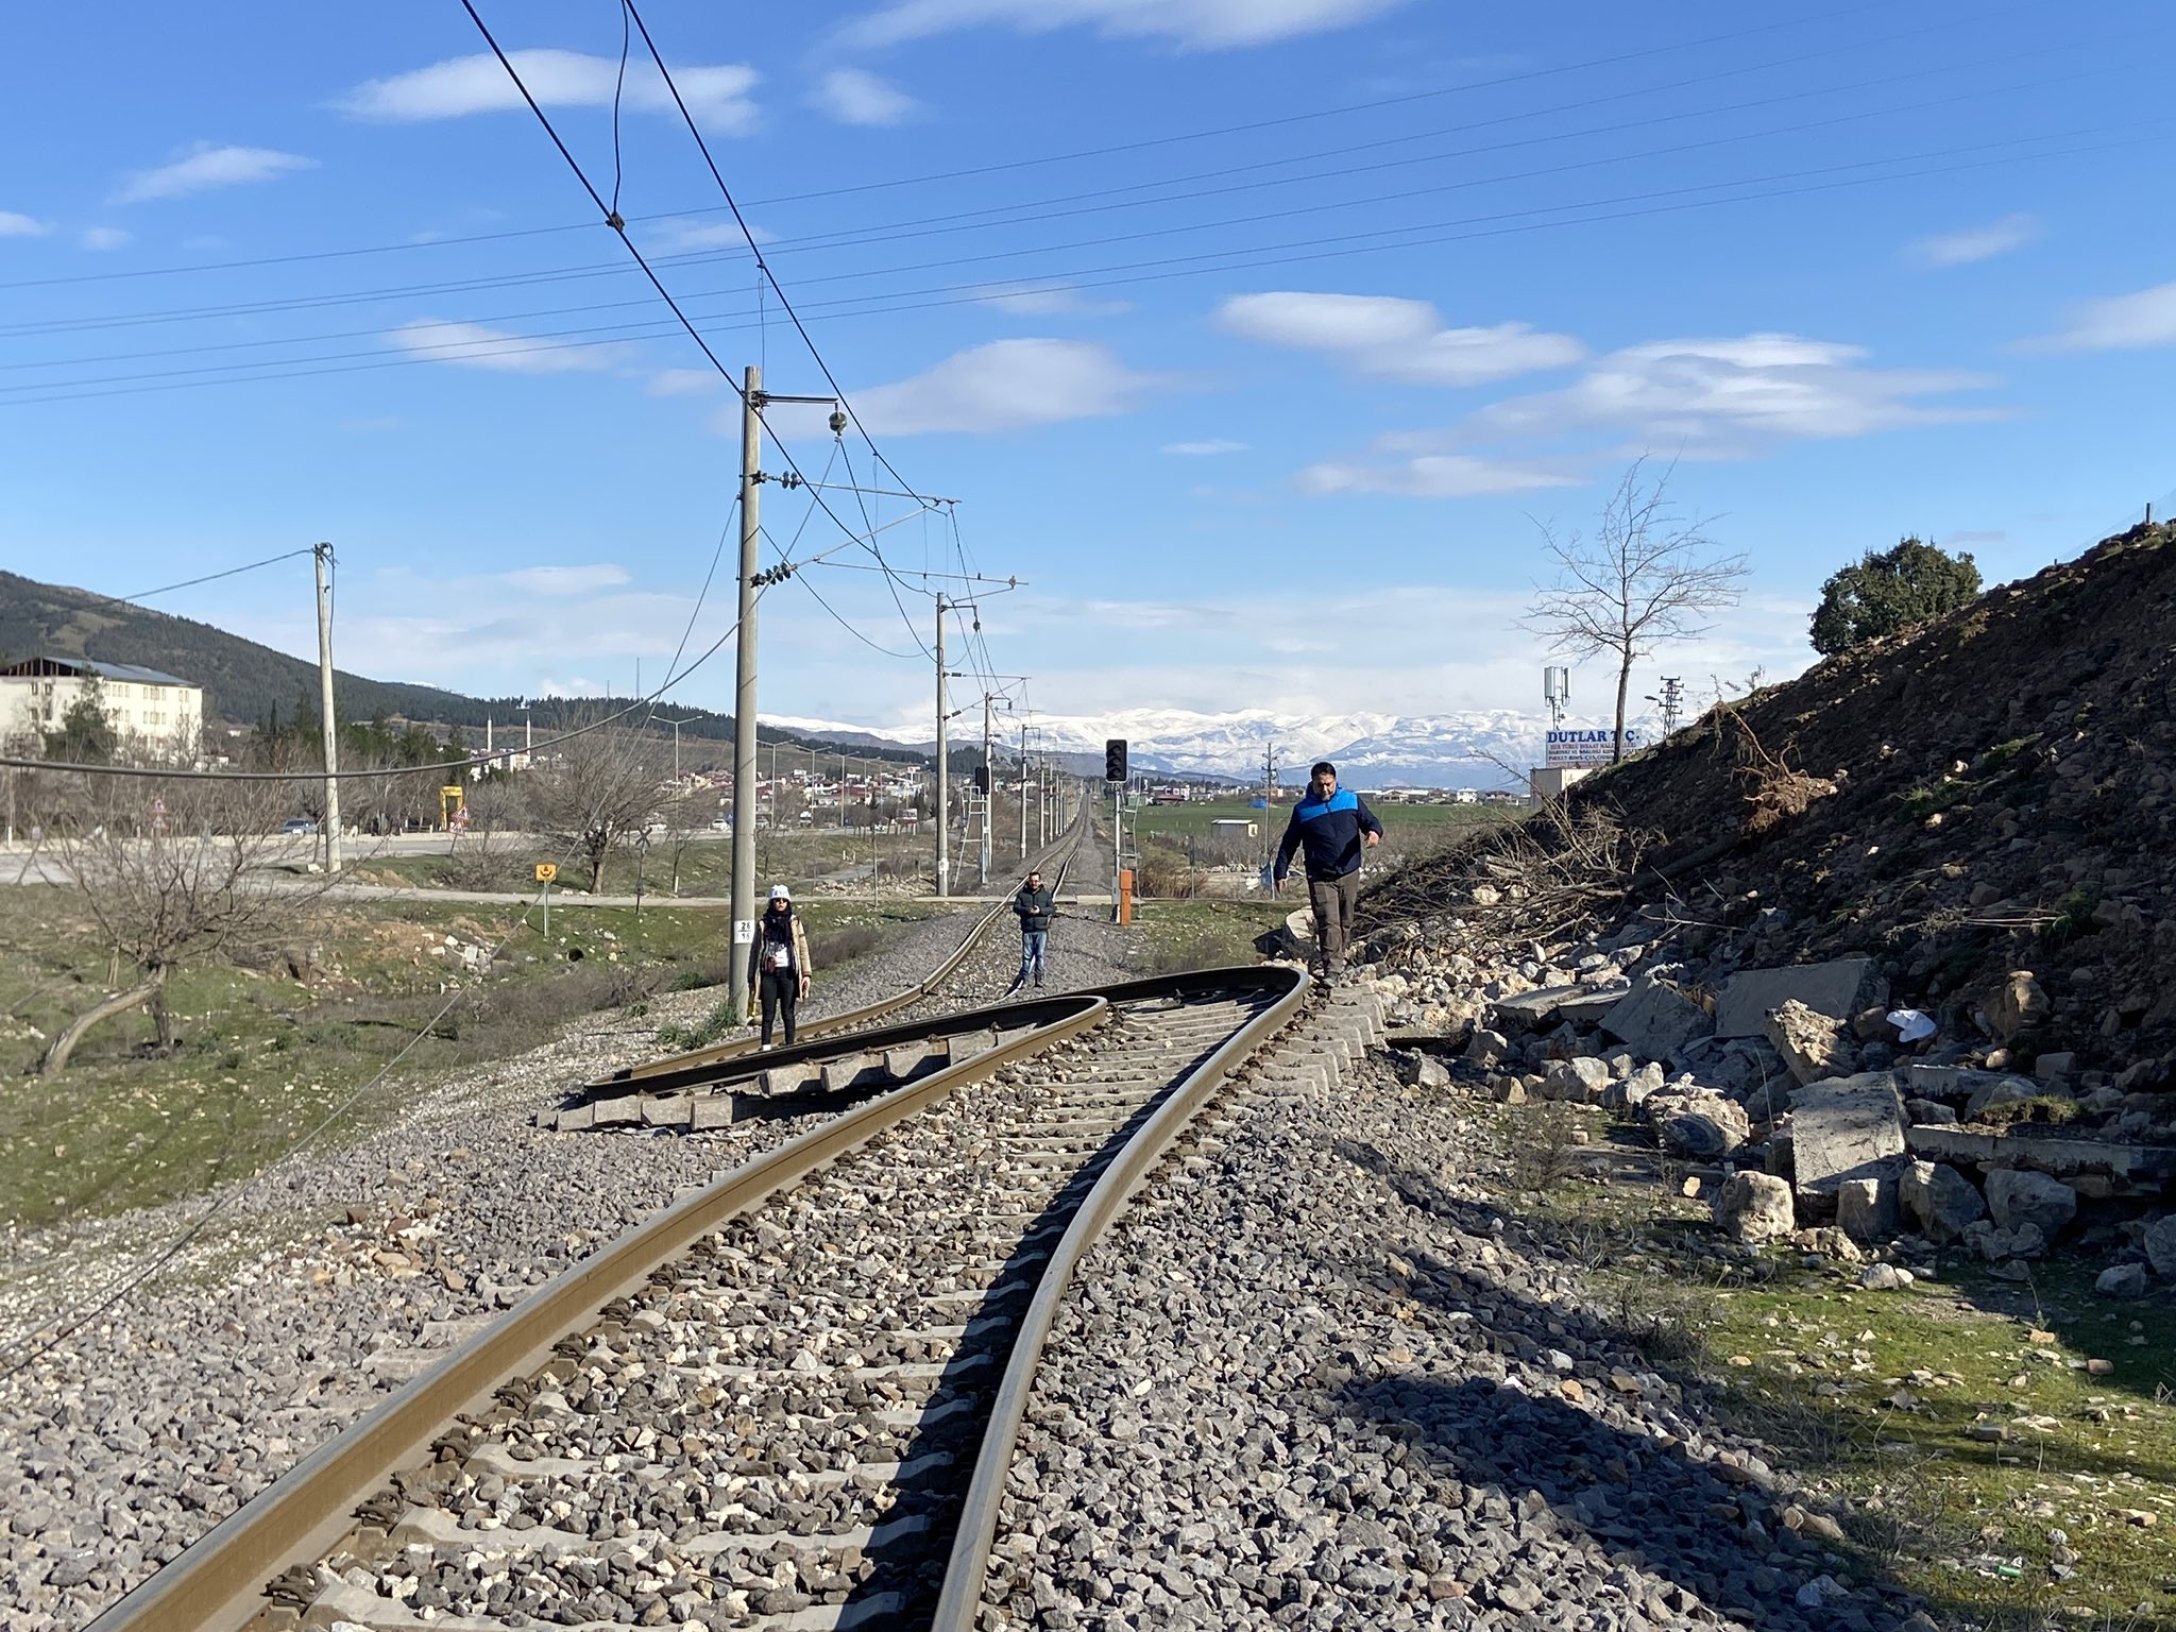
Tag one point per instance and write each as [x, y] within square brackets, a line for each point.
[546, 871]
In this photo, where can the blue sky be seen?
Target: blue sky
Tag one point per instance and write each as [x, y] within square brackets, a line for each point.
[1256, 336]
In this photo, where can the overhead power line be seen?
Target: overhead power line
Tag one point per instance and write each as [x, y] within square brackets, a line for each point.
[1143, 144]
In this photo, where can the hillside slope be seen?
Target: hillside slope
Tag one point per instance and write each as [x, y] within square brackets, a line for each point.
[242, 680]
[2002, 800]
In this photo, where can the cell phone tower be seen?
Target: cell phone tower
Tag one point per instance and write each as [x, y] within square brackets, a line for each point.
[1556, 691]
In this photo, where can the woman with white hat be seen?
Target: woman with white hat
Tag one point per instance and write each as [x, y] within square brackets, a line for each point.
[779, 969]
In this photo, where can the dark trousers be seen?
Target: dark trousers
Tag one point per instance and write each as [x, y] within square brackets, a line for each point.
[779, 989]
[1334, 901]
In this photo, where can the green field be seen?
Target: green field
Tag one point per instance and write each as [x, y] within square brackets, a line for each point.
[263, 1057]
[699, 866]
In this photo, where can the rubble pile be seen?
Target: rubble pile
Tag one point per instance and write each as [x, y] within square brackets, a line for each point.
[1930, 1001]
[1792, 1099]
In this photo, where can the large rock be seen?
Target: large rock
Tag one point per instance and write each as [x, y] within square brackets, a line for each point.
[1655, 1020]
[2160, 1244]
[2122, 1281]
[1486, 1048]
[2016, 1004]
[1698, 1124]
[1581, 1081]
[1940, 1200]
[1839, 988]
[1755, 1207]
[1813, 1045]
[1846, 1128]
[1417, 1069]
[2015, 1196]
[1866, 1209]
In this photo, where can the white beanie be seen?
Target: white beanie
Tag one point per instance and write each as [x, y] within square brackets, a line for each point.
[779, 892]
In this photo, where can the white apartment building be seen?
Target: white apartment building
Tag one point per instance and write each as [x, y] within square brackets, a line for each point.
[153, 713]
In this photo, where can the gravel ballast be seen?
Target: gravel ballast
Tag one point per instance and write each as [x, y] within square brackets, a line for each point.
[325, 1282]
[1323, 1380]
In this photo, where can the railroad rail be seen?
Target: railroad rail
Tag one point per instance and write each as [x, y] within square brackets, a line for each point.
[777, 1394]
[1058, 856]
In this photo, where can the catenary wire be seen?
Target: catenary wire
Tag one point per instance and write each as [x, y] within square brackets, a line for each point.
[972, 171]
[1289, 253]
[896, 230]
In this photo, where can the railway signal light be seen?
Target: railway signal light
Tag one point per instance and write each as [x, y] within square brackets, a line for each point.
[1114, 760]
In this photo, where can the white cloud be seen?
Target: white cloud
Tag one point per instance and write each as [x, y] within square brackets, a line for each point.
[1198, 24]
[1005, 385]
[680, 237]
[1437, 476]
[1204, 450]
[854, 96]
[683, 382]
[204, 167]
[1974, 243]
[103, 238]
[1049, 300]
[471, 345]
[13, 225]
[2118, 323]
[558, 582]
[1722, 398]
[717, 96]
[1392, 338]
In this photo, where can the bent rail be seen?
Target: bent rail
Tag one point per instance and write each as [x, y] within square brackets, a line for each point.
[959, 1605]
[216, 1584]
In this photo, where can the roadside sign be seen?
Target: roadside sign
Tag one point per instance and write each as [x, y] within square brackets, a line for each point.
[744, 931]
[546, 871]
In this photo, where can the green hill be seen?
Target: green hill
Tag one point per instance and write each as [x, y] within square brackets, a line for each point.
[244, 682]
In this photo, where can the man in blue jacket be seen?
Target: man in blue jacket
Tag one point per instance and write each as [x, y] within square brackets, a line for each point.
[1335, 829]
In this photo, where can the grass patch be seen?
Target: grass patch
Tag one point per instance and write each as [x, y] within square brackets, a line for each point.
[263, 1058]
[1960, 1424]
[1179, 936]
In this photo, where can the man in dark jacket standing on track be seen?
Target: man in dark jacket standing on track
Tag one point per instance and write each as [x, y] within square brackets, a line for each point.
[1035, 907]
[1334, 828]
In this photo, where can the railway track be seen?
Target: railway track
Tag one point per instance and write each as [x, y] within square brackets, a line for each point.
[789, 1401]
[1057, 859]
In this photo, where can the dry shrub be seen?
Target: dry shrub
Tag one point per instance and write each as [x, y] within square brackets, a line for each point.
[1779, 790]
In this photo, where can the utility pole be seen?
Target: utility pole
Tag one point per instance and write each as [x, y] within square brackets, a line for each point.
[676, 751]
[989, 794]
[744, 696]
[1023, 792]
[944, 852]
[322, 555]
[1269, 797]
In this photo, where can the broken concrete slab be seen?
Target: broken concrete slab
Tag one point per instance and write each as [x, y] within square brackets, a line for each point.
[1839, 988]
[1845, 1128]
[1593, 1005]
[2138, 1169]
[1813, 1045]
[1535, 1010]
[1655, 1020]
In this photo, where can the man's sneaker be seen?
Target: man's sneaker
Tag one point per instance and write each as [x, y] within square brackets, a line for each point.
[765, 1049]
[1038, 985]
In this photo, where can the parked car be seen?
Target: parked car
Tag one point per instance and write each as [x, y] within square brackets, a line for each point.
[721, 824]
[298, 825]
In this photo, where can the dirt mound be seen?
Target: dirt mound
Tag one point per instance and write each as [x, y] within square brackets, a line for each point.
[1991, 793]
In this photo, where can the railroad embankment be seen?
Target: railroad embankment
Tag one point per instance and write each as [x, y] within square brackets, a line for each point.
[1853, 1006]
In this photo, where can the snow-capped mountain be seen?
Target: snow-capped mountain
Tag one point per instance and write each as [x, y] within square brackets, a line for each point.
[1370, 750]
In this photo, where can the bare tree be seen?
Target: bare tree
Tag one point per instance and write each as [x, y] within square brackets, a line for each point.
[174, 871]
[1645, 577]
[599, 788]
